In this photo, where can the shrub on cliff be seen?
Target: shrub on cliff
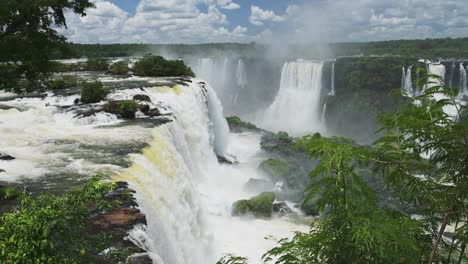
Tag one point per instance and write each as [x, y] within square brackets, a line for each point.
[50, 229]
[157, 66]
[93, 92]
[124, 108]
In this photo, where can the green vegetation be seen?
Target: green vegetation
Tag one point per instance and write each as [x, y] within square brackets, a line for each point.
[120, 67]
[281, 170]
[260, 206]
[9, 193]
[231, 259]
[157, 66]
[237, 125]
[92, 92]
[97, 64]
[124, 108]
[424, 48]
[29, 39]
[51, 229]
[354, 227]
[63, 82]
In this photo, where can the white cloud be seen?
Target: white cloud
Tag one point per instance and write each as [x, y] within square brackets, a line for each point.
[155, 21]
[259, 16]
[194, 21]
[227, 4]
[364, 20]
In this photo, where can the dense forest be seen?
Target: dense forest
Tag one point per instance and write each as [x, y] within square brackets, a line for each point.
[425, 48]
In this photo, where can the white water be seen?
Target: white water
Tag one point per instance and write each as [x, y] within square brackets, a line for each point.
[408, 82]
[215, 188]
[241, 75]
[297, 108]
[184, 191]
[463, 84]
[332, 92]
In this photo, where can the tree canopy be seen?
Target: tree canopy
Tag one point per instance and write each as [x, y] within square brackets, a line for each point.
[29, 37]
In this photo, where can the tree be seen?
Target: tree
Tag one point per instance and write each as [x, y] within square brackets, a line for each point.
[423, 160]
[28, 38]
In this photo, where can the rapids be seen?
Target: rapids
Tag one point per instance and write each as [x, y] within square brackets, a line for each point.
[184, 191]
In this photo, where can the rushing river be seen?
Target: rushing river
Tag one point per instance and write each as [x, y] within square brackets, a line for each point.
[171, 162]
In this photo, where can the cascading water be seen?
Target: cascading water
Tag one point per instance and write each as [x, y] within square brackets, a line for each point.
[463, 84]
[297, 108]
[180, 186]
[452, 72]
[332, 92]
[241, 75]
[408, 82]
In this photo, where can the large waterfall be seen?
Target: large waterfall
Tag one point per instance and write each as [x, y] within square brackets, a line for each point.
[297, 107]
[180, 186]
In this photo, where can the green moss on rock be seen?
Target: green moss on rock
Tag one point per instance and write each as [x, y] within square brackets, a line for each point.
[259, 206]
[280, 170]
[237, 125]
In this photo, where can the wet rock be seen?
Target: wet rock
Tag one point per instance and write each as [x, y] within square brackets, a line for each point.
[142, 258]
[257, 185]
[144, 108]
[76, 101]
[259, 206]
[1, 170]
[153, 112]
[4, 156]
[227, 159]
[282, 208]
[118, 218]
[142, 97]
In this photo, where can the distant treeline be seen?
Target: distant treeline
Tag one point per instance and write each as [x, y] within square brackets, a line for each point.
[125, 50]
[426, 48]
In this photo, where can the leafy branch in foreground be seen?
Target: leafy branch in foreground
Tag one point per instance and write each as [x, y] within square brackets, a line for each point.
[423, 159]
[51, 229]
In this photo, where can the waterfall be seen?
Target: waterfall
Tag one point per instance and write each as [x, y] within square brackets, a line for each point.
[296, 108]
[324, 112]
[452, 72]
[403, 78]
[463, 85]
[241, 75]
[162, 177]
[408, 82]
[332, 92]
[439, 70]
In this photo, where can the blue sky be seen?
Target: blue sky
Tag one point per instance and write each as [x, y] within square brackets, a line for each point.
[200, 21]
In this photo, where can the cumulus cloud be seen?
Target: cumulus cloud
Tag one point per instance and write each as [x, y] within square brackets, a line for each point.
[259, 16]
[363, 20]
[160, 21]
[228, 4]
[195, 21]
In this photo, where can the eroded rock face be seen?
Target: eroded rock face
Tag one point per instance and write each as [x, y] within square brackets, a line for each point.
[118, 218]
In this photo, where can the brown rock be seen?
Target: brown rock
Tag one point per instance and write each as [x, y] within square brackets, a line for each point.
[118, 218]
